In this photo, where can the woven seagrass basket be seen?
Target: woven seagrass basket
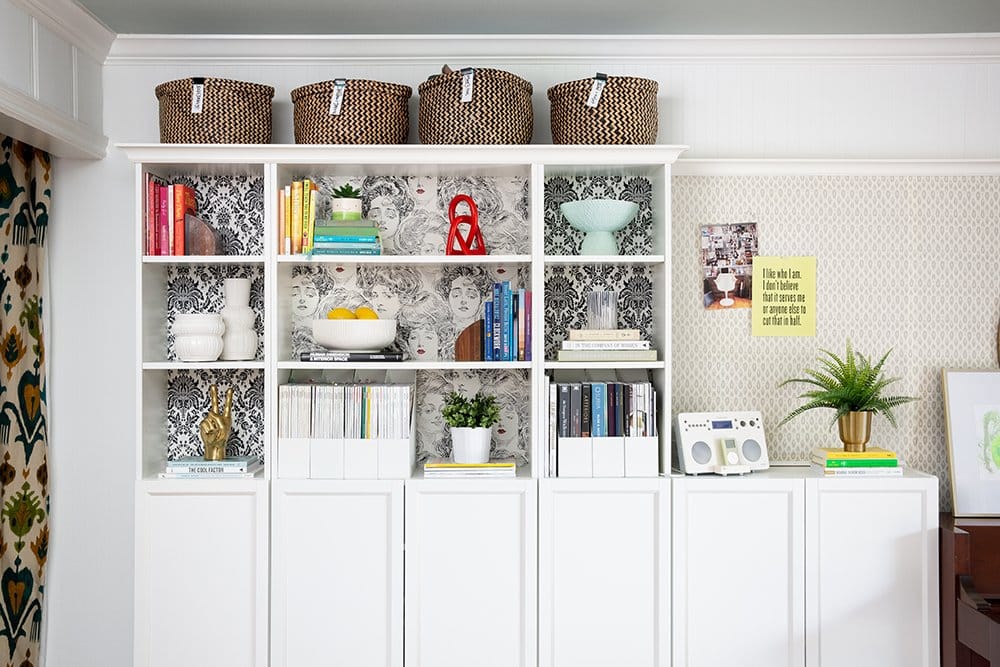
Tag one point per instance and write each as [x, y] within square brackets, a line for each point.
[370, 112]
[625, 114]
[499, 112]
[232, 112]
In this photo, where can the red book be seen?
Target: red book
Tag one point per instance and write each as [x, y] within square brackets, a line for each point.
[149, 215]
[163, 246]
[184, 203]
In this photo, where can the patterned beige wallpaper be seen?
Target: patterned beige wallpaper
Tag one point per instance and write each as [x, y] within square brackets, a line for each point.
[910, 263]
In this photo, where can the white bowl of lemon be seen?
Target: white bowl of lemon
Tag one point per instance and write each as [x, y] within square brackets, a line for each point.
[358, 330]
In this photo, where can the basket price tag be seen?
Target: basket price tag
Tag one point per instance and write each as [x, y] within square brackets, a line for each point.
[468, 79]
[596, 88]
[197, 94]
[337, 99]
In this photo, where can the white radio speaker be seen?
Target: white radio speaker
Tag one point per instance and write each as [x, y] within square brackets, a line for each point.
[724, 443]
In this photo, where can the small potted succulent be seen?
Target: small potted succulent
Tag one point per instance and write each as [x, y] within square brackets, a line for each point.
[346, 203]
[471, 422]
[855, 389]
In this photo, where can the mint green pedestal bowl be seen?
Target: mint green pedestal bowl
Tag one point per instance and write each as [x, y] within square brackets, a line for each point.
[599, 219]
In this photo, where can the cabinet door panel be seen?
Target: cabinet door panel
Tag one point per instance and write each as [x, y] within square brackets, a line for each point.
[337, 574]
[738, 572]
[604, 573]
[470, 573]
[201, 573]
[873, 568]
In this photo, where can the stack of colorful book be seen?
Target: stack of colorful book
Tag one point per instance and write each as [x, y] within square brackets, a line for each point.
[446, 469]
[605, 345]
[195, 467]
[874, 461]
[345, 237]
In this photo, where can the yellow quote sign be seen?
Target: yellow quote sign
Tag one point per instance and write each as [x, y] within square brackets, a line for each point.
[784, 296]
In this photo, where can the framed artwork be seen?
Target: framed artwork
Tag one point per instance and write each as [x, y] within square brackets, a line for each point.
[972, 423]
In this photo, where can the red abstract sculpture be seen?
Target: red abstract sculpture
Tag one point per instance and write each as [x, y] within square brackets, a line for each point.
[471, 243]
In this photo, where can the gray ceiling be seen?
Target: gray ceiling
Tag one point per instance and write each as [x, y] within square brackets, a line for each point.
[581, 17]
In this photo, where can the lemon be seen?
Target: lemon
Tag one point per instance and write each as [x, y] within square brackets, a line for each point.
[366, 313]
[340, 314]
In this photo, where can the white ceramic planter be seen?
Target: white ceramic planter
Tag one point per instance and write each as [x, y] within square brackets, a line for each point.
[342, 208]
[470, 445]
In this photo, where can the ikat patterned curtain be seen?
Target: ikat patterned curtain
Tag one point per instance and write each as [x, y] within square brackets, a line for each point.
[25, 196]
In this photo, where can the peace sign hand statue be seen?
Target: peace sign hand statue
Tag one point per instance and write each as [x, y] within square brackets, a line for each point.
[214, 428]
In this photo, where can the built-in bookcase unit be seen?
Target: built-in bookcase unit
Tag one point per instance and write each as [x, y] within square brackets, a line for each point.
[432, 295]
[172, 394]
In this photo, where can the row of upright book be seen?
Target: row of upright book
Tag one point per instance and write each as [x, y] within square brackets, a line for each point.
[507, 324]
[602, 409]
[873, 462]
[165, 210]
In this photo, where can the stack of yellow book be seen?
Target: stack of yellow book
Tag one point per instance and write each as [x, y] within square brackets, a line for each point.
[443, 468]
[874, 461]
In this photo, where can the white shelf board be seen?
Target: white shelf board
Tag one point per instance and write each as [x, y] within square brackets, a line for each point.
[404, 259]
[584, 260]
[201, 365]
[202, 259]
[555, 365]
[407, 154]
[407, 365]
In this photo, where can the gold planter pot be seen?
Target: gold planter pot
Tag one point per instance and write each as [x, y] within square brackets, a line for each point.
[855, 430]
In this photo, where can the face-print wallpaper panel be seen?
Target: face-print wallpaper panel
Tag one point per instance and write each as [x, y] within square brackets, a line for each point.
[511, 436]
[412, 211]
[431, 304]
[635, 239]
[188, 402]
[234, 205]
[198, 289]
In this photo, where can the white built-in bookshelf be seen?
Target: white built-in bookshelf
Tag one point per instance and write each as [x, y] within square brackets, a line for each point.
[237, 187]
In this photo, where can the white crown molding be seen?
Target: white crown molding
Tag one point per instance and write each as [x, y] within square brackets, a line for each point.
[27, 119]
[278, 49]
[73, 23]
[821, 167]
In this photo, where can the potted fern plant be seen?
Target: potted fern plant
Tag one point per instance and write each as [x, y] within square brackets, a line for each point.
[471, 422]
[855, 389]
[346, 203]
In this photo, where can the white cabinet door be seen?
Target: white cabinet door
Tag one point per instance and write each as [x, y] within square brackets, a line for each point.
[201, 573]
[604, 572]
[871, 582]
[337, 573]
[738, 572]
[470, 573]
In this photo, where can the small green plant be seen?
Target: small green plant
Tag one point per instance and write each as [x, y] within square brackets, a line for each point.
[851, 384]
[347, 191]
[481, 411]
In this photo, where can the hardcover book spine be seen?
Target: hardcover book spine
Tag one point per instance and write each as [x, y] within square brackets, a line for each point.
[162, 222]
[149, 214]
[527, 326]
[505, 321]
[597, 422]
[296, 217]
[346, 251]
[604, 334]
[576, 409]
[521, 322]
[488, 331]
[325, 238]
[184, 203]
[171, 229]
[553, 428]
[515, 315]
[288, 219]
[586, 410]
[564, 400]
[281, 222]
[619, 409]
[497, 313]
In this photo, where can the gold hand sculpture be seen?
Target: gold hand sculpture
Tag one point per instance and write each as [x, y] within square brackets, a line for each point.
[214, 428]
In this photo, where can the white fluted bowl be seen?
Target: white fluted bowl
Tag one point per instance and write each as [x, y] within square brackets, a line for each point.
[599, 219]
[354, 335]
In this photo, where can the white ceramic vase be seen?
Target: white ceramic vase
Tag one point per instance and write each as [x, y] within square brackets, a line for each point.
[198, 336]
[240, 340]
[470, 445]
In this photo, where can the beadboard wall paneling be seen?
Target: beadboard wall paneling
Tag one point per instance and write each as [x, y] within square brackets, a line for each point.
[825, 97]
[903, 262]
